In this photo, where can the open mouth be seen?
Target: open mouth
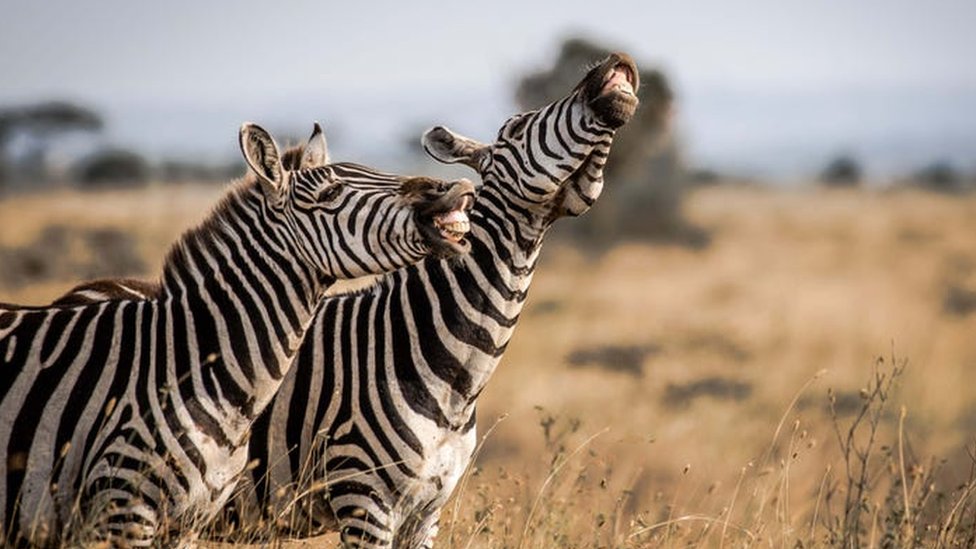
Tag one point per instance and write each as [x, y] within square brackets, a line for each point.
[445, 224]
[620, 79]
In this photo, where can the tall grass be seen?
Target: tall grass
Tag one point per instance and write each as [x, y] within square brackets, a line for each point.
[881, 495]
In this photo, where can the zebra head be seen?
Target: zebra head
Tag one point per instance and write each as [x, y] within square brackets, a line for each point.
[550, 161]
[346, 227]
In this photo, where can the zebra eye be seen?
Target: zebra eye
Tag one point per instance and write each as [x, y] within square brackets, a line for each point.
[330, 193]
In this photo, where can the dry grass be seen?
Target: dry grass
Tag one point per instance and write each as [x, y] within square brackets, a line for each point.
[661, 396]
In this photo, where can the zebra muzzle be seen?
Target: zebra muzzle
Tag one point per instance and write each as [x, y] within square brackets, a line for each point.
[620, 79]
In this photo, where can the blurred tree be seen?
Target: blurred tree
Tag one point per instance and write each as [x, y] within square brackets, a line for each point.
[48, 118]
[115, 167]
[645, 180]
[842, 171]
[703, 177]
[41, 123]
[939, 176]
[189, 171]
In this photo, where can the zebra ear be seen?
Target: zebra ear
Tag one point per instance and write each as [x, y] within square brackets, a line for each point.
[316, 153]
[262, 156]
[448, 147]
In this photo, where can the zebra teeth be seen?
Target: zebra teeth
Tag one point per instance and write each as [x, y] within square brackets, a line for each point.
[458, 227]
[454, 231]
[453, 225]
[453, 216]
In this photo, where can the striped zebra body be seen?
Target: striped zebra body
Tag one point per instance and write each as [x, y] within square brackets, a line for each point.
[123, 419]
[371, 432]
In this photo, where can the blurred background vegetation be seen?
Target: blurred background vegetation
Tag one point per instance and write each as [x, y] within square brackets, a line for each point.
[650, 172]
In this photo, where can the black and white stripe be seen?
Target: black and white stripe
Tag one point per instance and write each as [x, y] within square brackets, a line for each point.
[371, 431]
[123, 419]
[108, 289]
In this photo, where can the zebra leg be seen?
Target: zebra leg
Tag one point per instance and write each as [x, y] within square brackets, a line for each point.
[128, 521]
[118, 518]
[364, 519]
[418, 533]
[120, 502]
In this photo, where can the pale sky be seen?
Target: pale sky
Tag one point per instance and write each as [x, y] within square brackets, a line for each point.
[253, 55]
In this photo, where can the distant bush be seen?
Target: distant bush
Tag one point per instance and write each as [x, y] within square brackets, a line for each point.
[679, 395]
[703, 177]
[114, 167]
[959, 300]
[190, 171]
[65, 253]
[939, 176]
[627, 359]
[842, 171]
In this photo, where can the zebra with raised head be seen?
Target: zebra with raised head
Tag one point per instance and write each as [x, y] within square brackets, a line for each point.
[371, 432]
[125, 418]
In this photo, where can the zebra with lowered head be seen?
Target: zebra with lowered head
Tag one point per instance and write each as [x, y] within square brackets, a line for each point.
[371, 431]
[125, 420]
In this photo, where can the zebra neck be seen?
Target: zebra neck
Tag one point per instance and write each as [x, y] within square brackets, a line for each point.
[481, 296]
[511, 227]
[234, 287]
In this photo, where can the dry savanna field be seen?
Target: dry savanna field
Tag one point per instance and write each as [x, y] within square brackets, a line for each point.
[660, 396]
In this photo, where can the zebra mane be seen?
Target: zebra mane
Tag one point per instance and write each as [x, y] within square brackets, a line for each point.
[291, 159]
[115, 289]
[241, 191]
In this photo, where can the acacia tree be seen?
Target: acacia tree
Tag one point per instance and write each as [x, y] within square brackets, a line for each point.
[41, 123]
